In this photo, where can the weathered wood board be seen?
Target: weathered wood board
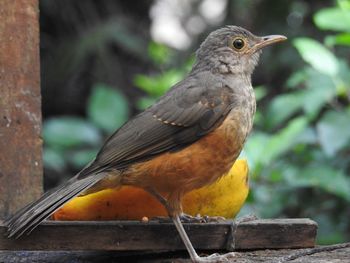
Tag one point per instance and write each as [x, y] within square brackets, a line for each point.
[20, 105]
[155, 236]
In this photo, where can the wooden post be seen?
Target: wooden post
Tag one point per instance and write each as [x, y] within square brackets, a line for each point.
[20, 105]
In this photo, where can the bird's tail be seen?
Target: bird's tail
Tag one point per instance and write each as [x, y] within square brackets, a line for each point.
[29, 217]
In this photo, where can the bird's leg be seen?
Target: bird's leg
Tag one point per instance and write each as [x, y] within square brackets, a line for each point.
[176, 219]
[193, 254]
[163, 201]
[184, 237]
[159, 197]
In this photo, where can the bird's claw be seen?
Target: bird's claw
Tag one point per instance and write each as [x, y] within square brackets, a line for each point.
[185, 218]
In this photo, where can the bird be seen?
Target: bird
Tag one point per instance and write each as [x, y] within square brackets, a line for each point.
[186, 140]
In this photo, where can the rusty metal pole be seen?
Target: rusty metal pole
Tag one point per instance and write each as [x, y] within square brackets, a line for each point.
[20, 105]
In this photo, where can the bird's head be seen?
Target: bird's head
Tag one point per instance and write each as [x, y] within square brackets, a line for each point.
[233, 49]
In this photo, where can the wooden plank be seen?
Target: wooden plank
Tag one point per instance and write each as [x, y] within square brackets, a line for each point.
[278, 233]
[118, 236]
[155, 236]
[20, 105]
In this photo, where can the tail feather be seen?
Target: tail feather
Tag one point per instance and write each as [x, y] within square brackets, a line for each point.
[29, 217]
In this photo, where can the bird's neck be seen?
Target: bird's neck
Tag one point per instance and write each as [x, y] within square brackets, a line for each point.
[238, 81]
[226, 63]
[222, 67]
[229, 72]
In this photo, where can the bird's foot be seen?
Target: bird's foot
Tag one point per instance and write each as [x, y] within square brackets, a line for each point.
[216, 258]
[185, 218]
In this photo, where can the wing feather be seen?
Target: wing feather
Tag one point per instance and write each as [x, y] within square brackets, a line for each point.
[189, 111]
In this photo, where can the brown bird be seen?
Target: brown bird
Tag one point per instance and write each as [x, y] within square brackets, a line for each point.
[186, 140]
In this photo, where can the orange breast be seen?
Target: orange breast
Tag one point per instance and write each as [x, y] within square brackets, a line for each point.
[200, 164]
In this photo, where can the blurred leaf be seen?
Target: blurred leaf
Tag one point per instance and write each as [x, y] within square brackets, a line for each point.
[344, 4]
[158, 85]
[333, 18]
[296, 78]
[261, 149]
[80, 158]
[284, 140]
[159, 53]
[259, 118]
[315, 98]
[319, 57]
[320, 90]
[260, 92]
[254, 149]
[341, 39]
[271, 206]
[145, 102]
[189, 63]
[334, 131]
[275, 175]
[308, 136]
[107, 108]
[53, 159]
[67, 132]
[99, 38]
[282, 107]
[327, 234]
[323, 177]
[343, 83]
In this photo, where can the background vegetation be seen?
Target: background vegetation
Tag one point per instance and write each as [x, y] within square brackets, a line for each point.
[100, 66]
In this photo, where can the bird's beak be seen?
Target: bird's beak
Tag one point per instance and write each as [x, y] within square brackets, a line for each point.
[266, 41]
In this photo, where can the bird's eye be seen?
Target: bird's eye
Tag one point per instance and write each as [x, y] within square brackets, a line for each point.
[238, 43]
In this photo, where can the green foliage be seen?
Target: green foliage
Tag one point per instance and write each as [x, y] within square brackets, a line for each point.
[54, 159]
[74, 141]
[302, 140]
[319, 57]
[68, 132]
[81, 157]
[156, 85]
[108, 108]
[320, 176]
[334, 132]
[98, 39]
[334, 18]
[159, 54]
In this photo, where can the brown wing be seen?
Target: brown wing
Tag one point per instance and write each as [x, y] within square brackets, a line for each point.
[190, 110]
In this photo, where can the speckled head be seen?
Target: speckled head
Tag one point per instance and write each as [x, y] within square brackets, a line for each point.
[234, 47]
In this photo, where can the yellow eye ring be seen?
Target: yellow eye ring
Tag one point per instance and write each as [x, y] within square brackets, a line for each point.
[238, 43]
